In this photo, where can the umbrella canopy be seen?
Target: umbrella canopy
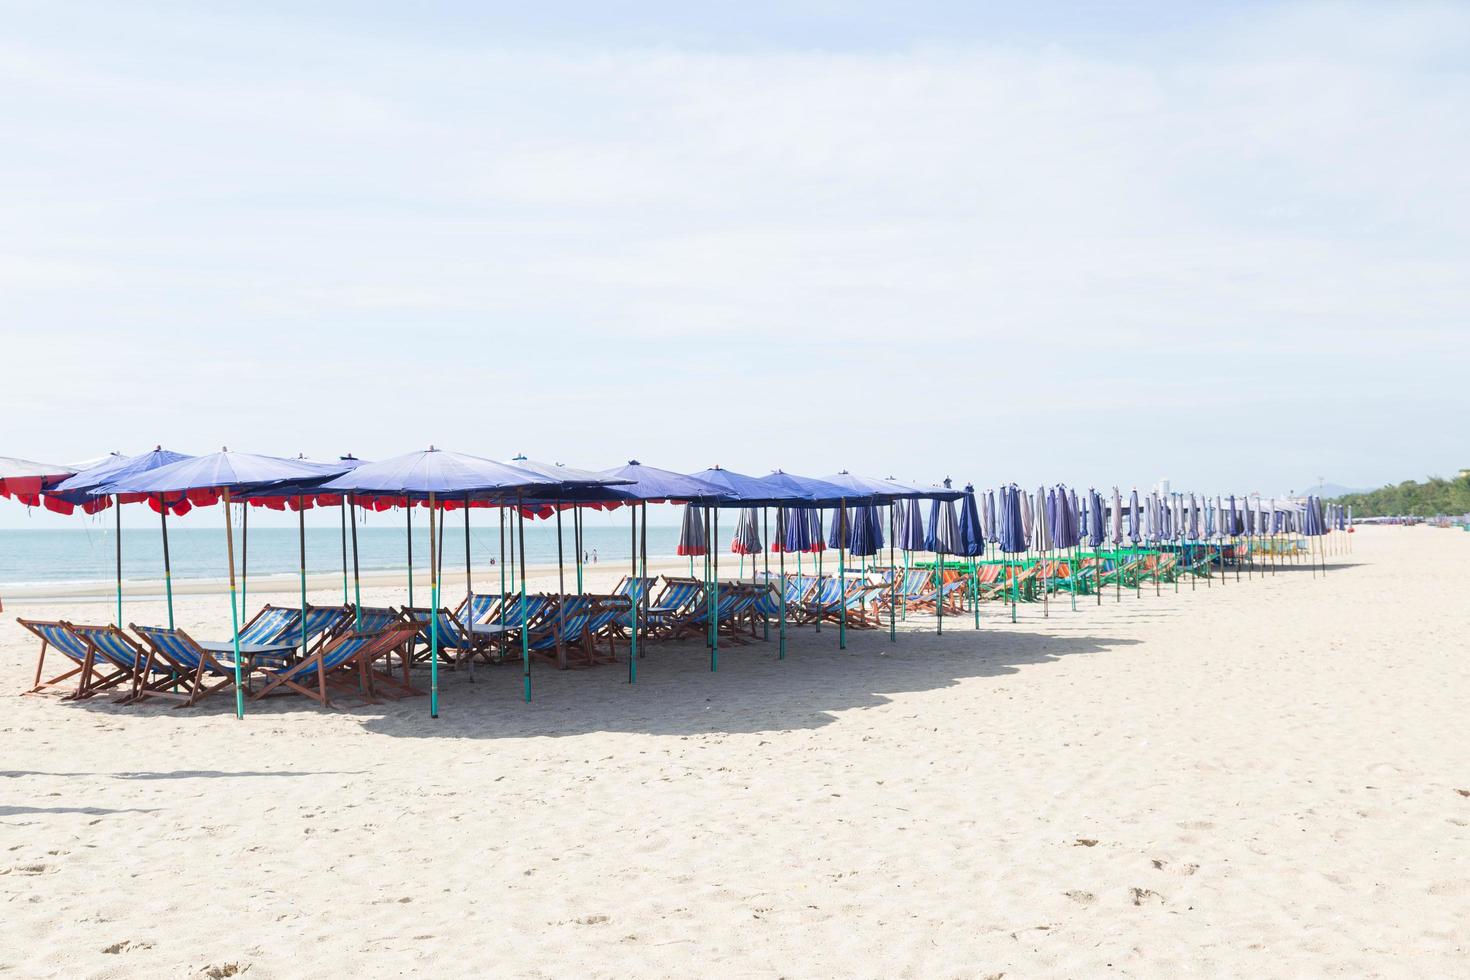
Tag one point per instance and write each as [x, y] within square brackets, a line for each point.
[691, 532]
[790, 486]
[1012, 531]
[911, 525]
[202, 478]
[415, 475]
[739, 488]
[1313, 523]
[1026, 516]
[1041, 525]
[75, 491]
[1135, 530]
[636, 481]
[971, 539]
[992, 526]
[881, 491]
[23, 479]
[866, 532]
[1097, 530]
[1117, 517]
[943, 534]
[747, 537]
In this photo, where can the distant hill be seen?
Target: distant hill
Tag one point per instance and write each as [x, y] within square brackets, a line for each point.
[1436, 495]
[1328, 491]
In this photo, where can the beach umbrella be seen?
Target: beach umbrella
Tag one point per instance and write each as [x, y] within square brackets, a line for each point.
[1117, 518]
[1096, 521]
[1027, 516]
[76, 490]
[943, 532]
[1135, 519]
[214, 477]
[691, 533]
[970, 540]
[866, 538]
[1012, 531]
[747, 537]
[436, 476]
[992, 526]
[911, 526]
[834, 532]
[24, 479]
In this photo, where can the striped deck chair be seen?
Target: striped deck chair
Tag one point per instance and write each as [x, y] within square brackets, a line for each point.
[452, 635]
[271, 624]
[193, 667]
[500, 633]
[679, 599]
[124, 658]
[477, 607]
[577, 623]
[635, 587]
[61, 637]
[375, 619]
[734, 602]
[336, 657]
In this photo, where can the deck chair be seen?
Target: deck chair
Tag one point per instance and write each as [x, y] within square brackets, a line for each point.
[675, 603]
[194, 672]
[336, 656]
[124, 658]
[375, 619]
[577, 624]
[502, 628]
[59, 636]
[455, 643]
[270, 624]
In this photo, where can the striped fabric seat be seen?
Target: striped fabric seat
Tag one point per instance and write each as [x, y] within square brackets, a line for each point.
[674, 601]
[336, 654]
[271, 624]
[372, 619]
[195, 673]
[124, 659]
[59, 636]
[339, 652]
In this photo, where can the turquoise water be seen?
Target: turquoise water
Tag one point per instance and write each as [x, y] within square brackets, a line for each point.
[32, 557]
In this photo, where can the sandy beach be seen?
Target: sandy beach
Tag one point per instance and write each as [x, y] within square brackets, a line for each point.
[1266, 778]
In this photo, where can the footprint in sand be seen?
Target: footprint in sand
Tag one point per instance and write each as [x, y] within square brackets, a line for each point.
[1081, 897]
[1181, 869]
[1145, 896]
[224, 970]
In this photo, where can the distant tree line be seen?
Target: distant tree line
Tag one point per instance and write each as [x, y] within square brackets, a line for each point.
[1436, 495]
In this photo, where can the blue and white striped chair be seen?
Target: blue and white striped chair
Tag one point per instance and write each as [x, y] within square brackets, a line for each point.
[61, 637]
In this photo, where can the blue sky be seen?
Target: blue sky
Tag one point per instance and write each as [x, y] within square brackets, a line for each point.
[1096, 242]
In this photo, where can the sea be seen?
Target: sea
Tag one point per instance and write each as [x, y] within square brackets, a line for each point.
[39, 557]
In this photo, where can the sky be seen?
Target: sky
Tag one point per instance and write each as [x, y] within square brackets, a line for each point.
[1102, 243]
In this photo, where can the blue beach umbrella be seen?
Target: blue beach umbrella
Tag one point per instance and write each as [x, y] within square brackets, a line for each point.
[747, 537]
[1012, 532]
[1135, 518]
[691, 533]
[214, 477]
[866, 537]
[77, 490]
[943, 532]
[992, 526]
[911, 531]
[1096, 521]
[971, 540]
[1117, 518]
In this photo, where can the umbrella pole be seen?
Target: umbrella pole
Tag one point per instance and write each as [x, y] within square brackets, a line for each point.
[577, 543]
[168, 577]
[244, 555]
[633, 561]
[766, 551]
[513, 544]
[501, 509]
[842, 575]
[704, 571]
[715, 609]
[408, 527]
[643, 598]
[561, 574]
[892, 580]
[357, 571]
[433, 613]
[344, 549]
[782, 561]
[117, 506]
[234, 612]
[469, 584]
[525, 633]
[301, 540]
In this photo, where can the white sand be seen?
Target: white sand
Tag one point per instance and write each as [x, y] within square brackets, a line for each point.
[1272, 773]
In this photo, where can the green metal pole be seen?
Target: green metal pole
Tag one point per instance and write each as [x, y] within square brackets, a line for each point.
[234, 611]
[433, 612]
[408, 524]
[357, 571]
[633, 559]
[244, 555]
[892, 579]
[525, 633]
[301, 527]
[343, 508]
[766, 552]
[168, 575]
[842, 574]
[715, 606]
[117, 506]
[577, 533]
